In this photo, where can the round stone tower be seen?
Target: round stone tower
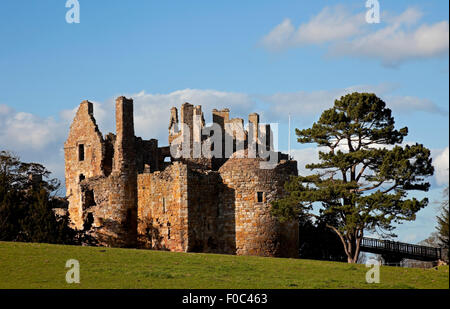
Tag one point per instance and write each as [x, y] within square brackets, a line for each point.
[257, 231]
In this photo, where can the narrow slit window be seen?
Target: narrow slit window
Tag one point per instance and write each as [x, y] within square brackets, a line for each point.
[168, 230]
[164, 205]
[81, 152]
[260, 197]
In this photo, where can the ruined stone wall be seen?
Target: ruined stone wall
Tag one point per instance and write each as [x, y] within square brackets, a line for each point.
[105, 215]
[163, 209]
[101, 177]
[211, 224]
[180, 209]
[257, 232]
[220, 117]
[109, 144]
[124, 195]
[84, 156]
[236, 134]
[147, 154]
[124, 173]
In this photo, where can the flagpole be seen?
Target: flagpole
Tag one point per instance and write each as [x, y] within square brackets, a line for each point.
[289, 141]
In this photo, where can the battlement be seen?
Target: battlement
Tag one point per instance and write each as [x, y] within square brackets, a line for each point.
[221, 139]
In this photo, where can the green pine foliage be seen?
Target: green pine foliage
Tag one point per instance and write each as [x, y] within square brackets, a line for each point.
[364, 173]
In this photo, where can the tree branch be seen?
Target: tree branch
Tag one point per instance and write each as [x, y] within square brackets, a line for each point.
[361, 171]
[391, 188]
[370, 188]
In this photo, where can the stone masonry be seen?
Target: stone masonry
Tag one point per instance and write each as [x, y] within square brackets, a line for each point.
[128, 192]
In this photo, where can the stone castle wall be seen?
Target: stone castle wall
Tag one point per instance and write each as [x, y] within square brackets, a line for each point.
[101, 176]
[256, 231]
[209, 221]
[84, 157]
[105, 217]
[163, 209]
[124, 194]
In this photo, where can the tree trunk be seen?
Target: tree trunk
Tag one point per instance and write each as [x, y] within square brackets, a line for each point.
[354, 256]
[351, 244]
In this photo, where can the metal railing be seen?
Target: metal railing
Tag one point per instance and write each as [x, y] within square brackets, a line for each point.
[405, 249]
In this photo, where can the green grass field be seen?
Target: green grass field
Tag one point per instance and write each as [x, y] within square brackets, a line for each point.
[43, 266]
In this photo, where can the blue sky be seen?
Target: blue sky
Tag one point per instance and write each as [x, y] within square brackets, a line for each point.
[272, 57]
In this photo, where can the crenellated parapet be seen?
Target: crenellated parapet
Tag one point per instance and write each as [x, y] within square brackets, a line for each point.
[192, 140]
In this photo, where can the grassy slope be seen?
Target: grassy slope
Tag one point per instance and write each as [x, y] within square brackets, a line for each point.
[43, 266]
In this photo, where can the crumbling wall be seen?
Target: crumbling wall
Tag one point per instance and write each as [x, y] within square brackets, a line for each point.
[180, 209]
[257, 231]
[124, 198]
[105, 218]
[101, 176]
[147, 155]
[123, 193]
[163, 209]
[236, 134]
[84, 156]
[109, 144]
[211, 224]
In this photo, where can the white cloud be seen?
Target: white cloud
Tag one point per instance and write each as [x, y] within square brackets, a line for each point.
[303, 104]
[309, 155]
[440, 162]
[152, 111]
[306, 104]
[4, 109]
[41, 139]
[394, 45]
[23, 131]
[408, 104]
[304, 157]
[280, 36]
[332, 23]
[411, 238]
[409, 17]
[34, 138]
[400, 38]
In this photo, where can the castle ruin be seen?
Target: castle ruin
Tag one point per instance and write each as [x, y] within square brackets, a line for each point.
[129, 192]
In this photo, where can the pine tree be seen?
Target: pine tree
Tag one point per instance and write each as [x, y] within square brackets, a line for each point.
[364, 173]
